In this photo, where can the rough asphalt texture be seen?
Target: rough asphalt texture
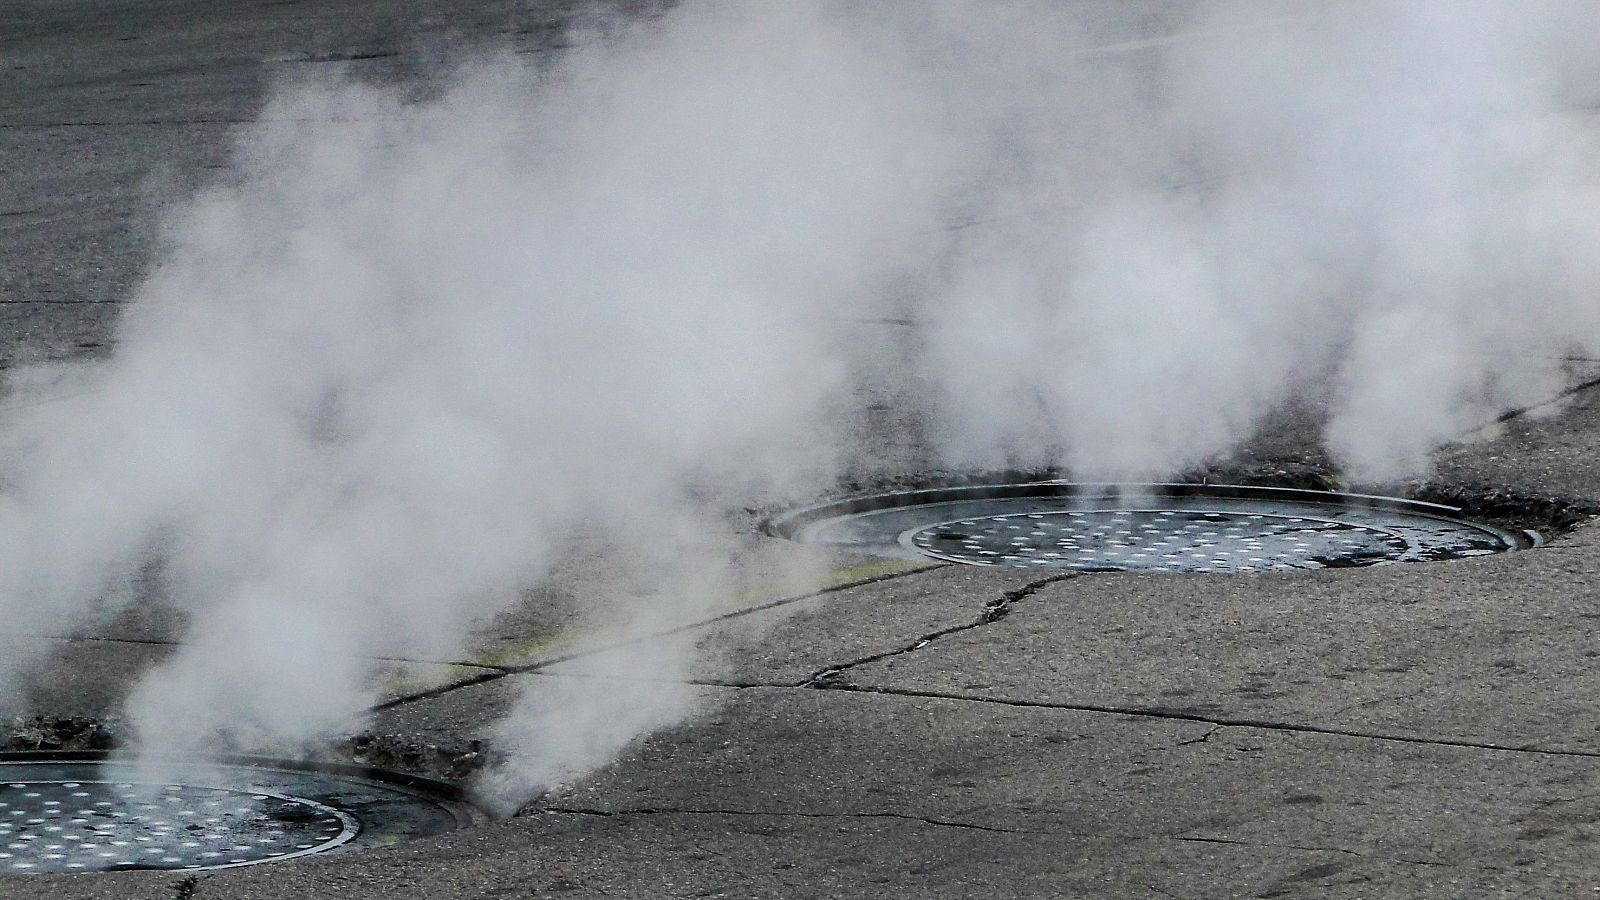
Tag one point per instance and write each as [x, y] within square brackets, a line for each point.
[1420, 731]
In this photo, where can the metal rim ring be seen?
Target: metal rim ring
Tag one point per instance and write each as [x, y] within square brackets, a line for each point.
[1163, 527]
[82, 812]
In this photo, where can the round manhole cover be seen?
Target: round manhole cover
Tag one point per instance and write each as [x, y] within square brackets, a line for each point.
[89, 815]
[1147, 528]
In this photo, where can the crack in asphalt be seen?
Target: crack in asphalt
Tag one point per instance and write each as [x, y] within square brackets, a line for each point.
[155, 642]
[1220, 721]
[504, 671]
[1202, 738]
[993, 611]
[1520, 411]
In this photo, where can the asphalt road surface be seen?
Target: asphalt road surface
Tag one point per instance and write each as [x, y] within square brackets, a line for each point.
[1428, 730]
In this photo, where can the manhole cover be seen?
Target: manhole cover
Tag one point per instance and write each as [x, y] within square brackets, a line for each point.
[89, 815]
[1147, 528]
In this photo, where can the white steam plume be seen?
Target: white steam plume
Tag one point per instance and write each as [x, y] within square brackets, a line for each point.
[379, 377]
[1395, 198]
[412, 346]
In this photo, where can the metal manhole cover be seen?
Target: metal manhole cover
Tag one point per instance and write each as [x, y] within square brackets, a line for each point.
[89, 815]
[1147, 528]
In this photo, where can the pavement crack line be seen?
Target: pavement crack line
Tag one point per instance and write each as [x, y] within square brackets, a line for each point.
[1521, 411]
[155, 642]
[1179, 716]
[1202, 738]
[503, 671]
[904, 817]
[993, 611]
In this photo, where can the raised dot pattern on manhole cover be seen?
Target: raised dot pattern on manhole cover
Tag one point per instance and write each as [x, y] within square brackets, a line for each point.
[1158, 541]
[85, 815]
[74, 826]
[1147, 528]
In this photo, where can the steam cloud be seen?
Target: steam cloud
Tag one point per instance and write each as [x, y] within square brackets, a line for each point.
[411, 348]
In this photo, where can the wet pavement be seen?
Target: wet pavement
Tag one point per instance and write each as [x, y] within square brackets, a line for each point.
[917, 729]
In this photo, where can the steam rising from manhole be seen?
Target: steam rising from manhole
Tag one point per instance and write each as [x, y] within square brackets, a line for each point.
[76, 814]
[1147, 528]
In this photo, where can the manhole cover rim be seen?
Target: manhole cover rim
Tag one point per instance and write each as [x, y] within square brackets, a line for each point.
[423, 786]
[349, 829]
[791, 524]
[898, 524]
[411, 806]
